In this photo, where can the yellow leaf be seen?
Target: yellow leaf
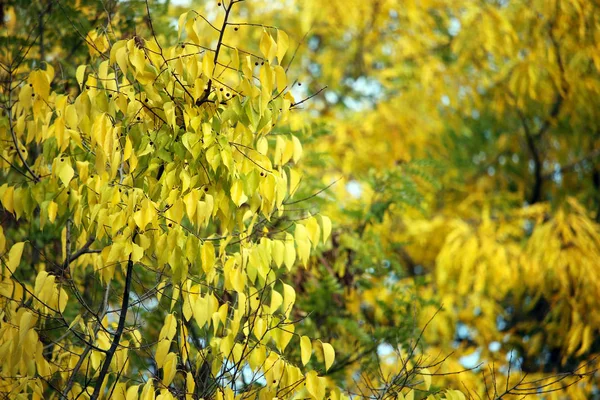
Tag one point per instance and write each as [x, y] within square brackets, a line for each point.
[265, 44]
[305, 349]
[190, 385]
[237, 193]
[281, 78]
[80, 74]
[169, 368]
[132, 393]
[290, 252]
[426, 378]
[294, 181]
[328, 355]
[14, 256]
[64, 170]
[169, 328]
[313, 230]
[127, 149]
[283, 43]
[207, 255]
[297, 149]
[262, 145]
[25, 324]
[302, 243]
[137, 252]
[121, 58]
[276, 300]
[148, 391]
[282, 337]
[208, 65]
[278, 251]
[52, 210]
[145, 215]
[289, 298]
[63, 299]
[161, 352]
[315, 385]
[326, 227]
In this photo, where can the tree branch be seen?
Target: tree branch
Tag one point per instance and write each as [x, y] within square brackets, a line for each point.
[117, 338]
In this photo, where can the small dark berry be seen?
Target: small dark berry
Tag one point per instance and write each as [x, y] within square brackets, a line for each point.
[236, 28]
[274, 380]
[145, 101]
[31, 85]
[262, 174]
[87, 86]
[262, 63]
[227, 94]
[32, 94]
[62, 160]
[138, 118]
[183, 46]
[221, 89]
[170, 225]
[256, 297]
[256, 63]
[151, 143]
[68, 192]
[299, 84]
[110, 96]
[206, 189]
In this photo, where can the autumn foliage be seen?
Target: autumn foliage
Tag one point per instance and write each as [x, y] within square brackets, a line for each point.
[351, 199]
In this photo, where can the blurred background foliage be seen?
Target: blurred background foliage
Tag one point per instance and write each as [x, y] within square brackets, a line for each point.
[454, 144]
